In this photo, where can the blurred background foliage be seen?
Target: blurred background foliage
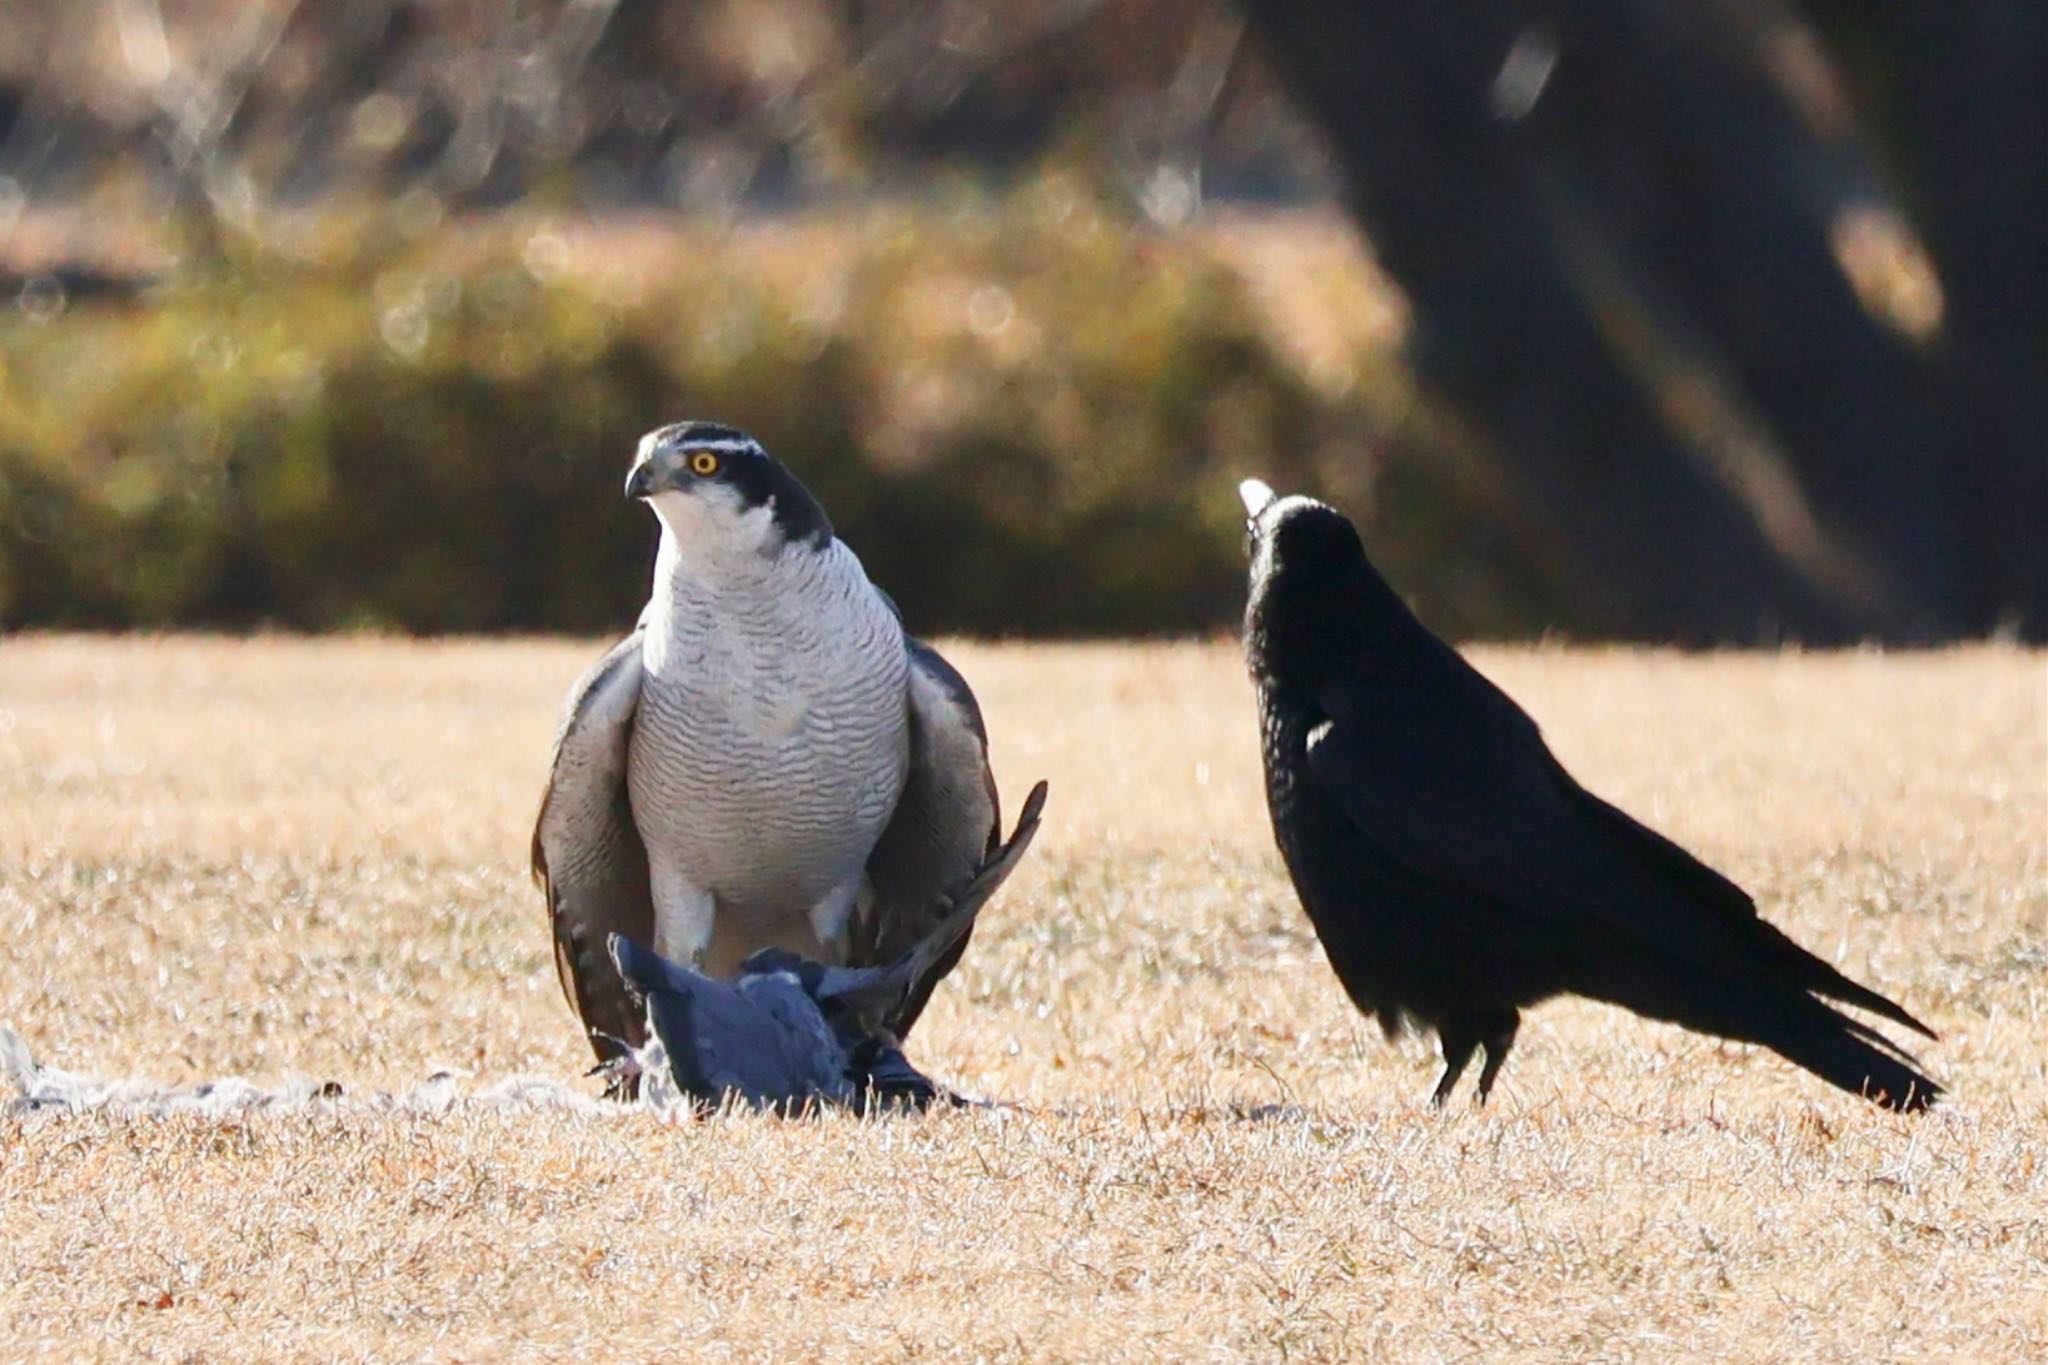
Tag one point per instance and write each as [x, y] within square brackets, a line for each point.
[1023, 416]
[331, 315]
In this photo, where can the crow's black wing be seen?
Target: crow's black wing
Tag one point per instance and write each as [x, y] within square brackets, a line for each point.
[1694, 879]
[1450, 779]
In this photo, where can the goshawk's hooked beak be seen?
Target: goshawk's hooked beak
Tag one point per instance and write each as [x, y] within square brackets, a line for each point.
[655, 471]
[1257, 495]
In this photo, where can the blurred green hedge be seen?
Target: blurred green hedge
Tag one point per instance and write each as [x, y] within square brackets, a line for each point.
[1026, 417]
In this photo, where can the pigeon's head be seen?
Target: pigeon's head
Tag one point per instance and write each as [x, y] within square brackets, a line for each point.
[851, 1000]
[782, 962]
[714, 487]
[1315, 599]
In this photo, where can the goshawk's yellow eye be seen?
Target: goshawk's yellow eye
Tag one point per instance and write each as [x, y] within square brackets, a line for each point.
[704, 464]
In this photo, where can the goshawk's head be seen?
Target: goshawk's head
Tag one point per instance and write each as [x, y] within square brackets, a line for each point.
[712, 482]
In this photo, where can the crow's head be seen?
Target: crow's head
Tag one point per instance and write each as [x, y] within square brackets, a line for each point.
[1317, 607]
[715, 488]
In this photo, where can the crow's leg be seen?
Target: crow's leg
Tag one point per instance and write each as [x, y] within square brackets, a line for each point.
[1459, 1038]
[1497, 1035]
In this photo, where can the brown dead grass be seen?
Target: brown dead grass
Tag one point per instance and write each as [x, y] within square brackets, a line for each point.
[281, 858]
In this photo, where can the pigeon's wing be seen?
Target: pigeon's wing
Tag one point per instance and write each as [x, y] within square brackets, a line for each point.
[1449, 778]
[725, 1038]
[945, 825]
[883, 1078]
[587, 854]
[807, 1060]
[878, 997]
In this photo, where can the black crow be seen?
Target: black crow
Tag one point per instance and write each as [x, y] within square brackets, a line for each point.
[1455, 872]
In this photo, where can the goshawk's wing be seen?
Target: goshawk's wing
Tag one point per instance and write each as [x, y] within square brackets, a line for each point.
[1451, 779]
[587, 854]
[944, 826]
[873, 999]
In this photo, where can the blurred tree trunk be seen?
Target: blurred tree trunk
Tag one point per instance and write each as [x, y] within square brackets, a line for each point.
[1961, 92]
[1651, 253]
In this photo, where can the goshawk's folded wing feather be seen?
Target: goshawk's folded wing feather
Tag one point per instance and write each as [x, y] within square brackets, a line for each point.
[946, 824]
[872, 999]
[587, 853]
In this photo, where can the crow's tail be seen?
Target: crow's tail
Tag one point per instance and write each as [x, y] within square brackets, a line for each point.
[1844, 1053]
[1785, 1018]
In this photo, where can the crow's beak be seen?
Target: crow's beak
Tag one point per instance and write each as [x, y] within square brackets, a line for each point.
[1257, 495]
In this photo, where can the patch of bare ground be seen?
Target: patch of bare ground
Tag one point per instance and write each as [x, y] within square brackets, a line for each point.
[281, 858]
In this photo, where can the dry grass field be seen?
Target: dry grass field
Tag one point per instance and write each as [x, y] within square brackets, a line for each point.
[305, 859]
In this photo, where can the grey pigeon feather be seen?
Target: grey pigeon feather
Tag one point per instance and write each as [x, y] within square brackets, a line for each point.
[788, 1033]
[759, 1039]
